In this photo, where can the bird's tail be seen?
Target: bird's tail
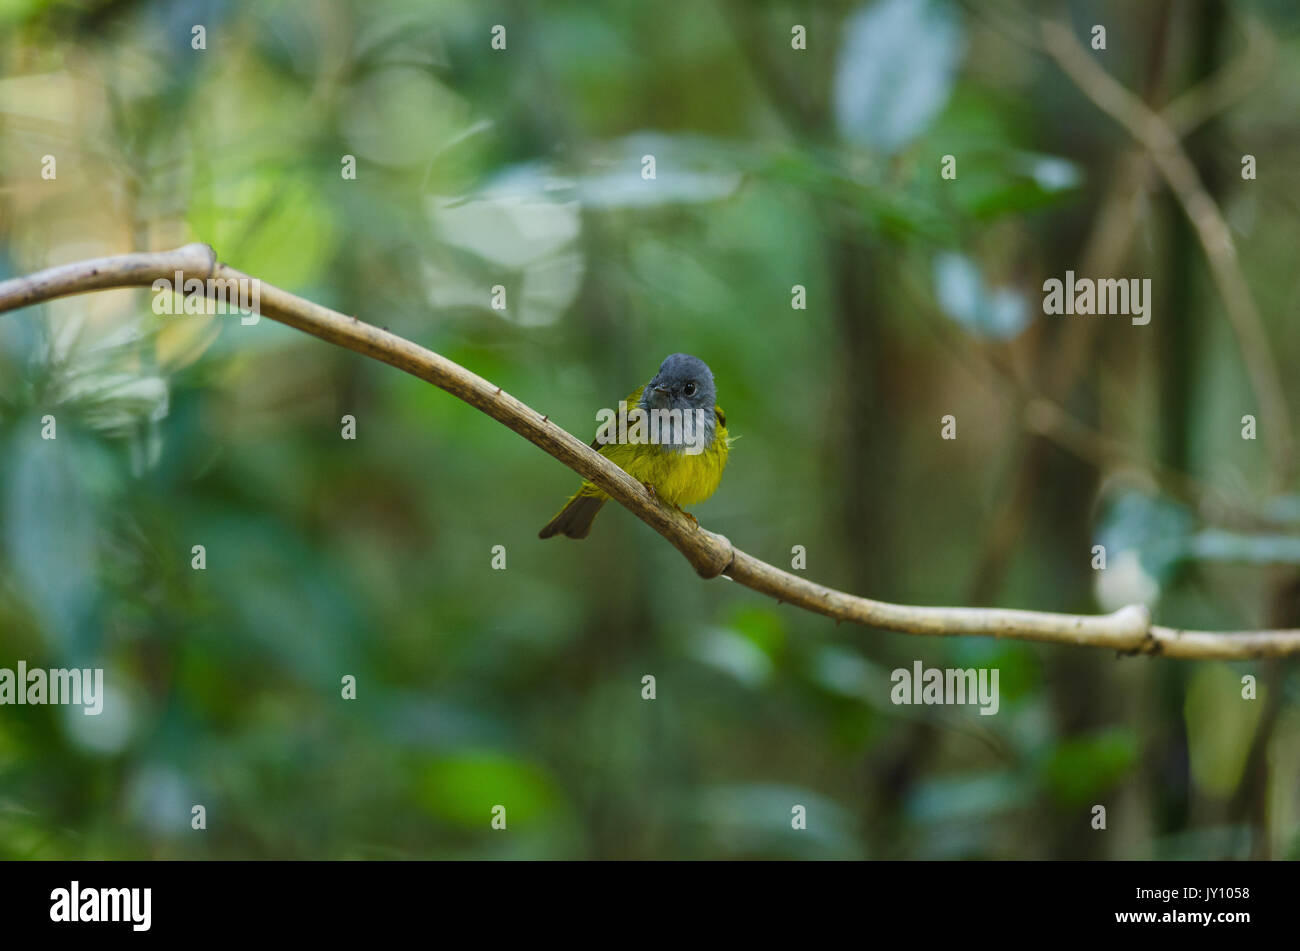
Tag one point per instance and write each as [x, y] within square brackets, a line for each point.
[574, 520]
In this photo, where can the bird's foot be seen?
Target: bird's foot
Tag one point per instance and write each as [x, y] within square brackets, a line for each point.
[650, 489]
[694, 521]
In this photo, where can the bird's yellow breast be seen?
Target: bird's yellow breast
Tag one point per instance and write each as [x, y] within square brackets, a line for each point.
[679, 478]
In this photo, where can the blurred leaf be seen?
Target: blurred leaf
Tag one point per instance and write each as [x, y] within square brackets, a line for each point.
[1124, 581]
[764, 627]
[528, 246]
[268, 222]
[1145, 537]
[464, 788]
[51, 524]
[966, 797]
[895, 70]
[688, 170]
[1220, 545]
[401, 116]
[510, 231]
[848, 674]
[1084, 767]
[733, 654]
[1001, 183]
[113, 727]
[959, 287]
[16, 11]
[1050, 172]
[158, 797]
[1220, 727]
[99, 377]
[844, 673]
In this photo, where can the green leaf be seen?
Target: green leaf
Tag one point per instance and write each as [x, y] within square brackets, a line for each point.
[1084, 767]
[1220, 727]
[464, 788]
[1145, 537]
[963, 296]
[895, 71]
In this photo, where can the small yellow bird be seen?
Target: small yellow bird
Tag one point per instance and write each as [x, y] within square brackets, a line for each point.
[677, 447]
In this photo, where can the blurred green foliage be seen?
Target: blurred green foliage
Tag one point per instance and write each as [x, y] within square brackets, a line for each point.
[523, 687]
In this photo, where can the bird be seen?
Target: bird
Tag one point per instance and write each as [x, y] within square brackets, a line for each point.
[682, 466]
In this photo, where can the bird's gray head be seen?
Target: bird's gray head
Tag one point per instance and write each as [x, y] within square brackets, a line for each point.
[684, 383]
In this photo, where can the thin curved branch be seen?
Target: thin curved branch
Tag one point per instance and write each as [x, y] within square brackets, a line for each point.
[1128, 630]
[1157, 135]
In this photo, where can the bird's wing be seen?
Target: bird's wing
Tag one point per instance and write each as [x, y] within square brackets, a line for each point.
[631, 402]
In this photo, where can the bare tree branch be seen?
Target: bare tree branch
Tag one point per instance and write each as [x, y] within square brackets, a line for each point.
[1128, 630]
[1156, 134]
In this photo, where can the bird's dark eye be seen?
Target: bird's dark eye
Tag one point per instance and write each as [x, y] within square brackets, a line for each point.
[689, 389]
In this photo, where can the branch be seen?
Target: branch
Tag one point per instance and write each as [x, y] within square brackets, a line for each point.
[1128, 630]
[1156, 134]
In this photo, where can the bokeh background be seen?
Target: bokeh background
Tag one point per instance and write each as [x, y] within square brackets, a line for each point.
[522, 167]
